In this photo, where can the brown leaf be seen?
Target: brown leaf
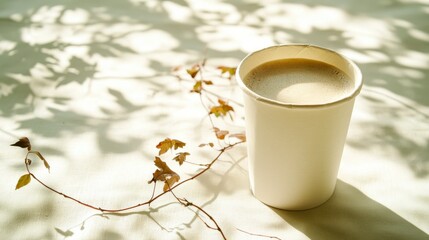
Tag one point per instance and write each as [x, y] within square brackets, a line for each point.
[47, 165]
[23, 142]
[198, 86]
[240, 136]
[222, 109]
[193, 71]
[170, 182]
[23, 180]
[181, 157]
[230, 71]
[162, 170]
[220, 134]
[206, 144]
[177, 144]
[164, 174]
[164, 146]
[168, 143]
[44, 161]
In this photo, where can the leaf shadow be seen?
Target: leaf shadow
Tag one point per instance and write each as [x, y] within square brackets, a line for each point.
[408, 141]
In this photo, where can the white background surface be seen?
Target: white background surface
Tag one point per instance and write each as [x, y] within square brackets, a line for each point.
[89, 82]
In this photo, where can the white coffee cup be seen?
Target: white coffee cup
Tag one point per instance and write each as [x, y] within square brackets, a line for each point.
[294, 150]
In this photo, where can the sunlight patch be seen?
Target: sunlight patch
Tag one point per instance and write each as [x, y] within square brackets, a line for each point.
[75, 16]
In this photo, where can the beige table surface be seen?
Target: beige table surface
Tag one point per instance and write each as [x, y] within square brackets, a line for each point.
[90, 83]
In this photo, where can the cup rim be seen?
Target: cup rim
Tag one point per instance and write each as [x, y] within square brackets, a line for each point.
[356, 90]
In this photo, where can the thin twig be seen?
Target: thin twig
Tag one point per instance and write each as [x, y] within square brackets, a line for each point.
[208, 215]
[218, 96]
[153, 191]
[188, 204]
[208, 114]
[196, 164]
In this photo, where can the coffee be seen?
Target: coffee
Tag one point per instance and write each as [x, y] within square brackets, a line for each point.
[299, 81]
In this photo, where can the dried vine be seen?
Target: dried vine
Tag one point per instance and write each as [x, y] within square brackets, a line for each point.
[218, 108]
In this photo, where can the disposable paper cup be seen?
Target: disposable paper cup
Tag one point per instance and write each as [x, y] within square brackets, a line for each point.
[294, 150]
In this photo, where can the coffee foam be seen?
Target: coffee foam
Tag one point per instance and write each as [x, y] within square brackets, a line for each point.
[299, 81]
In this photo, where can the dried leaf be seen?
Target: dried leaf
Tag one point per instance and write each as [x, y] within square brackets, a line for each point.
[206, 144]
[230, 71]
[163, 146]
[198, 86]
[170, 182]
[193, 71]
[240, 136]
[164, 174]
[168, 143]
[181, 157]
[47, 165]
[222, 109]
[44, 161]
[177, 144]
[23, 180]
[23, 142]
[220, 134]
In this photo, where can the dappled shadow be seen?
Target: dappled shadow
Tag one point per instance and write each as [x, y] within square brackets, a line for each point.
[71, 68]
[27, 214]
[54, 54]
[350, 214]
[403, 130]
[390, 46]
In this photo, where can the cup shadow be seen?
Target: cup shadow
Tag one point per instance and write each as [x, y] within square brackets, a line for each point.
[350, 214]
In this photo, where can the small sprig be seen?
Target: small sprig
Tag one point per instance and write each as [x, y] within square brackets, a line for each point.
[217, 106]
[163, 173]
[25, 179]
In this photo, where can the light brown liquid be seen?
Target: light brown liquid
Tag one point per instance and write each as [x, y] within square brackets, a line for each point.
[299, 81]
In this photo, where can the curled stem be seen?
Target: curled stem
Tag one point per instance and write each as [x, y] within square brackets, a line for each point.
[148, 202]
